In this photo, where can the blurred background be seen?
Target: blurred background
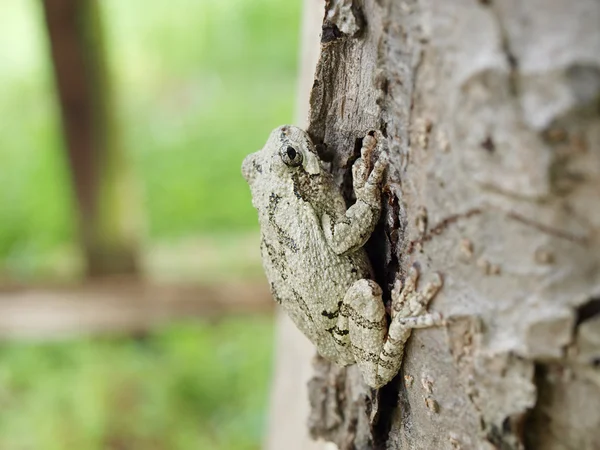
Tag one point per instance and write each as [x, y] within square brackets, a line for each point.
[133, 312]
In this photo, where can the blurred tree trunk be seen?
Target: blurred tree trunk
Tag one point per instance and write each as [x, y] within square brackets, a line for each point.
[491, 109]
[100, 174]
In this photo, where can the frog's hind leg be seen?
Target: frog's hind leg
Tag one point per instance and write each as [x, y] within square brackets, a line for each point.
[362, 325]
[361, 330]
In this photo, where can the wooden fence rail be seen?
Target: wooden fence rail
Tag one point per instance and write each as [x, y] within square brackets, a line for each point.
[47, 312]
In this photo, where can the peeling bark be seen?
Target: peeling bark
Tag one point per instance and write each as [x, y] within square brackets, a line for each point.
[492, 112]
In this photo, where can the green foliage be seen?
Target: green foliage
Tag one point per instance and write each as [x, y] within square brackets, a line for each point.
[35, 212]
[199, 84]
[188, 386]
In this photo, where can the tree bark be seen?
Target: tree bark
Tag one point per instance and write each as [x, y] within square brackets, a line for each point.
[492, 114]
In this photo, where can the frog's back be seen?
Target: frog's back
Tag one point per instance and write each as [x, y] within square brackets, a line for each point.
[306, 276]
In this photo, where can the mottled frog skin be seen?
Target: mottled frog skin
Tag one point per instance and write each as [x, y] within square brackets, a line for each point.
[312, 251]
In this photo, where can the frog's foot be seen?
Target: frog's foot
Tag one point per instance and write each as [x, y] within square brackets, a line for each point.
[348, 233]
[409, 311]
[366, 177]
[361, 328]
[408, 301]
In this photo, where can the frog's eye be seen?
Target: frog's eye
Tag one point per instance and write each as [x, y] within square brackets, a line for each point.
[291, 156]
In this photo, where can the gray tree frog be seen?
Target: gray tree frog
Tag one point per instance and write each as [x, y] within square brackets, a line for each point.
[311, 247]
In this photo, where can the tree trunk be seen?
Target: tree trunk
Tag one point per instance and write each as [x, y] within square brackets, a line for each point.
[492, 115]
[101, 177]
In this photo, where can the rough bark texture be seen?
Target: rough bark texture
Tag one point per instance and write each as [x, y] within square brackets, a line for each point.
[492, 112]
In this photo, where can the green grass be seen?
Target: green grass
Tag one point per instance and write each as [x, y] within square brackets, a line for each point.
[194, 386]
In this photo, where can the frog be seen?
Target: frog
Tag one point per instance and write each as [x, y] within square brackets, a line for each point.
[312, 249]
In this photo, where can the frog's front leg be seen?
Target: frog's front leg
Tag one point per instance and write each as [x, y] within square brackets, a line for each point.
[362, 327]
[350, 231]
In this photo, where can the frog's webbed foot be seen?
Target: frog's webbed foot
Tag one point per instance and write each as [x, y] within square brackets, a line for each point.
[409, 303]
[361, 327]
[349, 232]
[367, 177]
